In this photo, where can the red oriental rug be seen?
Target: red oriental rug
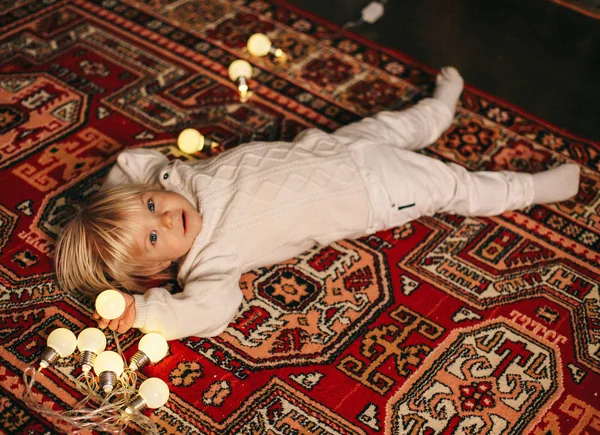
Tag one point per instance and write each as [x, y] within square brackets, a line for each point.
[445, 325]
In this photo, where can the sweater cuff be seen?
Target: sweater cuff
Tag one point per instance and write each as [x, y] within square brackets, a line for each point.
[141, 311]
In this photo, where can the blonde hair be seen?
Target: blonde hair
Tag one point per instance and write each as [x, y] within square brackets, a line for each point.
[96, 249]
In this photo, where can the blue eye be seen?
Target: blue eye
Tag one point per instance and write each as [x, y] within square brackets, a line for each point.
[151, 206]
[153, 237]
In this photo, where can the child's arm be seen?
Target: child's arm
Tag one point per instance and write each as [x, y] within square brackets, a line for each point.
[210, 299]
[138, 166]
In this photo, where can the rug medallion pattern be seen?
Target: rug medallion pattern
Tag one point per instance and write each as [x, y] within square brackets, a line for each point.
[445, 325]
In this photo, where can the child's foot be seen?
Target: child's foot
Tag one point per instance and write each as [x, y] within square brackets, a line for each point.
[556, 184]
[449, 85]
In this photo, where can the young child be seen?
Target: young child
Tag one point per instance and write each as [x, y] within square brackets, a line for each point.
[261, 203]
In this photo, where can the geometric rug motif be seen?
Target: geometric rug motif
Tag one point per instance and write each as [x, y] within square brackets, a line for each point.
[495, 377]
[309, 308]
[487, 265]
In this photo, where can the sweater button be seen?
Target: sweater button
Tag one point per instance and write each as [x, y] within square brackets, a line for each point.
[165, 176]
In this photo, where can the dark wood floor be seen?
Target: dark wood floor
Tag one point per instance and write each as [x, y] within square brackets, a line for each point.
[535, 54]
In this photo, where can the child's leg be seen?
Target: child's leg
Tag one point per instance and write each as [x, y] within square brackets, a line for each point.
[415, 185]
[413, 128]
[424, 123]
[491, 193]
[449, 86]
[556, 184]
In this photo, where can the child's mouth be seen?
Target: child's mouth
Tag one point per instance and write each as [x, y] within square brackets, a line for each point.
[183, 221]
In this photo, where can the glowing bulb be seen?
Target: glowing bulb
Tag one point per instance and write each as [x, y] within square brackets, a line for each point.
[239, 68]
[259, 44]
[108, 361]
[152, 348]
[108, 366]
[154, 345]
[240, 72]
[60, 343]
[155, 392]
[110, 304]
[91, 339]
[190, 141]
[63, 341]
[90, 342]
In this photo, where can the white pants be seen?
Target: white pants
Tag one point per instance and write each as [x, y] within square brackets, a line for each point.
[404, 185]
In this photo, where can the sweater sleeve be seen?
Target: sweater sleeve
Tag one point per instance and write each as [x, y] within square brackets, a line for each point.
[137, 166]
[210, 299]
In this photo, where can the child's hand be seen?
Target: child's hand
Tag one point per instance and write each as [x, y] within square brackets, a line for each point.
[120, 324]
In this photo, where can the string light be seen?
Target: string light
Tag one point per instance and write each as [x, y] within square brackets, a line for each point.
[116, 407]
[60, 343]
[153, 393]
[191, 141]
[152, 348]
[260, 45]
[240, 72]
[110, 304]
[90, 342]
[108, 365]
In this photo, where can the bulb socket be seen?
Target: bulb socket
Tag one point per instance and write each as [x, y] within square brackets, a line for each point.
[87, 360]
[139, 360]
[48, 357]
[242, 84]
[279, 55]
[108, 380]
[136, 405]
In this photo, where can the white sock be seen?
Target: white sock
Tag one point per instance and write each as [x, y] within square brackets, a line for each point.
[556, 184]
[449, 85]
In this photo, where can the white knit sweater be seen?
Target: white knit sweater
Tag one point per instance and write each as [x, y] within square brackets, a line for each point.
[261, 203]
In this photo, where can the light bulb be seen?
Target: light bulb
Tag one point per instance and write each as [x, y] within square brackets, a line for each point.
[240, 72]
[108, 361]
[152, 348]
[154, 345]
[260, 45]
[190, 141]
[63, 341]
[60, 343]
[239, 68]
[108, 366]
[153, 393]
[90, 342]
[110, 304]
[91, 339]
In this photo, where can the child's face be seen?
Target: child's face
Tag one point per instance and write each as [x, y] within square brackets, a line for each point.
[169, 223]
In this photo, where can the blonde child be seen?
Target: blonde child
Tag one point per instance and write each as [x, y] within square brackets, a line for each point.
[261, 203]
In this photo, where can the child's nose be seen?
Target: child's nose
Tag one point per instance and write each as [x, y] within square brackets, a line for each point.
[167, 219]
